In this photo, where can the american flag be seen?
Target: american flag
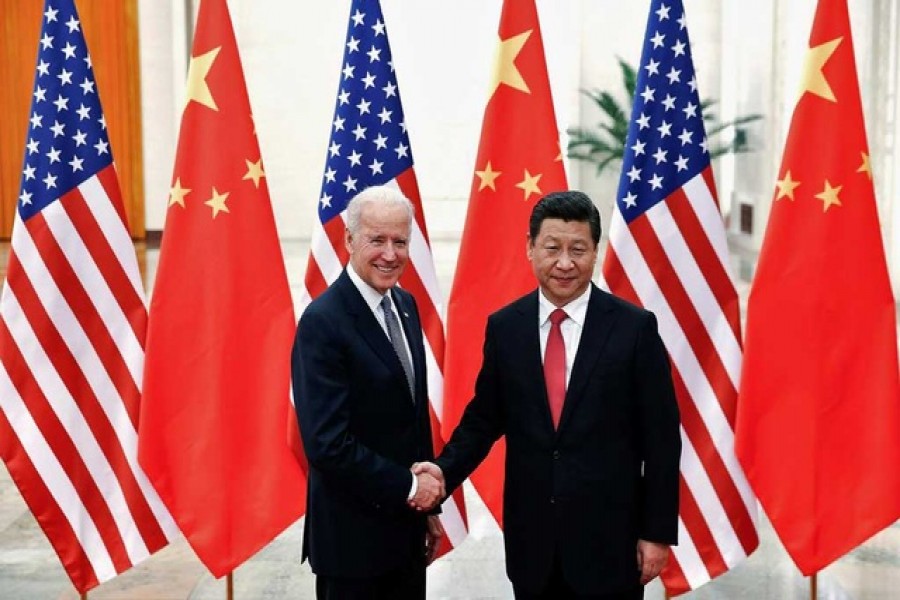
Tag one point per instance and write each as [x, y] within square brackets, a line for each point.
[369, 146]
[668, 253]
[72, 324]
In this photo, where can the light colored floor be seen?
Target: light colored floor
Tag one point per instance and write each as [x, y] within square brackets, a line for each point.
[29, 570]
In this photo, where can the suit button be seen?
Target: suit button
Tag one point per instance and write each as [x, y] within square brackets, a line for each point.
[556, 455]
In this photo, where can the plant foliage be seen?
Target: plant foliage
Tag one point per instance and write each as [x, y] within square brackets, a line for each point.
[604, 145]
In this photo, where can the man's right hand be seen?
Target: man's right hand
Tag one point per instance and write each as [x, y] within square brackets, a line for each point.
[429, 486]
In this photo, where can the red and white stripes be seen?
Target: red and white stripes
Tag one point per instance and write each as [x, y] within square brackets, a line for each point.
[673, 260]
[72, 325]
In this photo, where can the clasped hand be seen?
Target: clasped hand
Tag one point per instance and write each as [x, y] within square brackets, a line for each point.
[430, 489]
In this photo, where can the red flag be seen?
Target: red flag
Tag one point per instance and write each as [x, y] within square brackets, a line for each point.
[668, 252]
[72, 327]
[217, 374]
[519, 160]
[818, 428]
[368, 119]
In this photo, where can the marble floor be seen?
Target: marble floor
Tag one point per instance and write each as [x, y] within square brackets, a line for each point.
[29, 570]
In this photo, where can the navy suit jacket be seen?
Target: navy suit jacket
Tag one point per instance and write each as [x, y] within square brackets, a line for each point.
[608, 476]
[362, 431]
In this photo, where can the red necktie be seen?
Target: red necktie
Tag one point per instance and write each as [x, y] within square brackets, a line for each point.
[555, 366]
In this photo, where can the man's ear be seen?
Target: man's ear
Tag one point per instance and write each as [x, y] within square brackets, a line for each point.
[529, 245]
[348, 241]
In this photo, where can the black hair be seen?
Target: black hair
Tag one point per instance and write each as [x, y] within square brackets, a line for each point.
[569, 206]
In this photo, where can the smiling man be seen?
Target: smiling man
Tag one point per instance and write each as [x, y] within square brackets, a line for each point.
[579, 383]
[358, 369]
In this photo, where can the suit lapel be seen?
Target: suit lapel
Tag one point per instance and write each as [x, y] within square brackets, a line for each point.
[598, 324]
[367, 325]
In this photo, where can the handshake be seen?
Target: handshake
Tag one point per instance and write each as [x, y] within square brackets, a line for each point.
[430, 487]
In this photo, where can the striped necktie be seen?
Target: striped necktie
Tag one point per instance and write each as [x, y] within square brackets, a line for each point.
[396, 337]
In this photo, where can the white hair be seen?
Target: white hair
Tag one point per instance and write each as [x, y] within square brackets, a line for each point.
[379, 194]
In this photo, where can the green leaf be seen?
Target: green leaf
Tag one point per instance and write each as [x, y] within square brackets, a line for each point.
[604, 145]
[746, 119]
[601, 166]
[629, 78]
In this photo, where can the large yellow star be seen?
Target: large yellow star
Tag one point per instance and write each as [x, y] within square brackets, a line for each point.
[530, 184]
[177, 193]
[488, 176]
[505, 70]
[866, 166]
[786, 187]
[254, 171]
[197, 88]
[217, 202]
[813, 79]
[830, 196]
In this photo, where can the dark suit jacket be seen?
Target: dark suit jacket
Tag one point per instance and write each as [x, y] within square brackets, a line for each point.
[361, 431]
[608, 476]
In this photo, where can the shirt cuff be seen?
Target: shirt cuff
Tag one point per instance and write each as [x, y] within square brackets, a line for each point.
[413, 488]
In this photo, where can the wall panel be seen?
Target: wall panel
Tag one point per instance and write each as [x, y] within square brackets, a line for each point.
[111, 32]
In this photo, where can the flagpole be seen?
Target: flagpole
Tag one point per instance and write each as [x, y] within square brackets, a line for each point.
[814, 586]
[229, 586]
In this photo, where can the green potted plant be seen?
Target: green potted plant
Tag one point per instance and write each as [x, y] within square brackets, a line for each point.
[604, 145]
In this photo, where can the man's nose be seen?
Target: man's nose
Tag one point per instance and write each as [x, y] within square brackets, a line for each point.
[564, 261]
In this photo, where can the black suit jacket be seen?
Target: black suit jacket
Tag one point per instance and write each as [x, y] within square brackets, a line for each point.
[361, 431]
[607, 476]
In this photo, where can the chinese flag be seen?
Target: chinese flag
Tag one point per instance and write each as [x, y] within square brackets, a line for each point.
[519, 160]
[221, 325]
[818, 428]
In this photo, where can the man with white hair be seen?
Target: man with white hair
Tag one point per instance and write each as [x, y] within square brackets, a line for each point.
[358, 369]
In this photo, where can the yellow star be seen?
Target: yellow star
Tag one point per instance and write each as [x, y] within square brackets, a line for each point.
[254, 171]
[217, 202]
[197, 88]
[830, 196]
[177, 193]
[488, 176]
[505, 70]
[866, 166]
[530, 184]
[813, 79]
[786, 187]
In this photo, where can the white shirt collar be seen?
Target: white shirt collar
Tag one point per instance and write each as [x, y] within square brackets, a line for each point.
[576, 309]
[371, 296]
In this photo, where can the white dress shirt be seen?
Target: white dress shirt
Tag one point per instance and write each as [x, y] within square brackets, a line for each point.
[570, 328]
[372, 298]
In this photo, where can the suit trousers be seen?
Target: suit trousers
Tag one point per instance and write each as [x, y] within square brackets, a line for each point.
[557, 588]
[406, 583]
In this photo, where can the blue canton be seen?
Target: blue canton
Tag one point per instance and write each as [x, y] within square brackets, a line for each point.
[369, 144]
[67, 141]
[666, 144]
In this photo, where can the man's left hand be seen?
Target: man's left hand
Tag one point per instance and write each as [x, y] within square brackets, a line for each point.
[651, 558]
[433, 535]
